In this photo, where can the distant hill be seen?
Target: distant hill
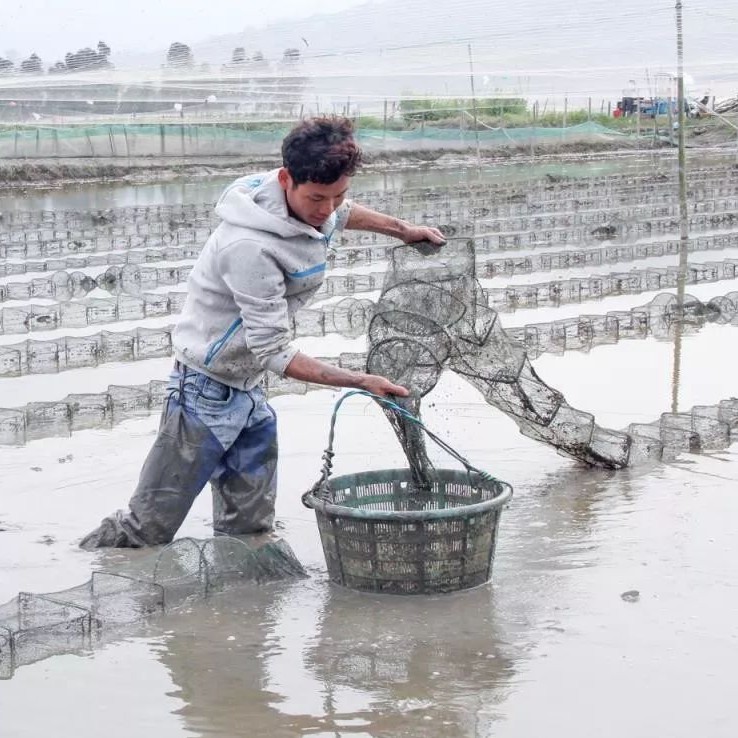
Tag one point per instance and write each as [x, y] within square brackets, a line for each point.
[541, 49]
[602, 32]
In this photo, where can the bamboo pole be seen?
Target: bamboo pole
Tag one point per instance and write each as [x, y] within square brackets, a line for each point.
[683, 214]
[474, 104]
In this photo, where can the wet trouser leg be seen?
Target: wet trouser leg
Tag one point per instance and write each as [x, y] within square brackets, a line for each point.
[175, 471]
[202, 421]
[244, 483]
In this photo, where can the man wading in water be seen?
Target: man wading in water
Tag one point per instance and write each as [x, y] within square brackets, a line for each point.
[263, 262]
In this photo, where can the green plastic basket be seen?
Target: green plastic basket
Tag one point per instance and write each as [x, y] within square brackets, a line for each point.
[381, 534]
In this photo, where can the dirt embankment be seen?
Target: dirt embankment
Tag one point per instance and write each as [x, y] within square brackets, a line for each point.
[16, 173]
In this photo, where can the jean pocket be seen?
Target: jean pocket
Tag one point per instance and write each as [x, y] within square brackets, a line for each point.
[214, 391]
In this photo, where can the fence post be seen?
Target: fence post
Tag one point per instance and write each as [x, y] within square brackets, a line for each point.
[533, 130]
[474, 104]
[638, 118]
[566, 105]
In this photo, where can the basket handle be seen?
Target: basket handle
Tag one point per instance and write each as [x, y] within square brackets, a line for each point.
[328, 454]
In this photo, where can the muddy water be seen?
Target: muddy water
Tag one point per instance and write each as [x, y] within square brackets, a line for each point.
[550, 647]
[611, 609]
[199, 188]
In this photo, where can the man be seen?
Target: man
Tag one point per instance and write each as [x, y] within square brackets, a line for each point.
[264, 261]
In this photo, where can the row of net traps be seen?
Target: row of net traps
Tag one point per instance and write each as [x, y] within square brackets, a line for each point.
[25, 243]
[351, 318]
[615, 229]
[511, 297]
[609, 225]
[36, 626]
[503, 235]
[549, 187]
[660, 318]
[132, 279]
[585, 210]
[77, 239]
[575, 290]
[346, 258]
[619, 241]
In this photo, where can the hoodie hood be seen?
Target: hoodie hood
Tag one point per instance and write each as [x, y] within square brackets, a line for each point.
[258, 202]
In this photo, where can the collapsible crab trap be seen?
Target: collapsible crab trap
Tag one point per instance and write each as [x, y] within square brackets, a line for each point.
[382, 531]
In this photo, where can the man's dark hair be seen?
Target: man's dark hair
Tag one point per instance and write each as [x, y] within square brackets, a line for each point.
[321, 150]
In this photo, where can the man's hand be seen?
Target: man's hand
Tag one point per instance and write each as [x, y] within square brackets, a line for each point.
[414, 234]
[364, 219]
[380, 386]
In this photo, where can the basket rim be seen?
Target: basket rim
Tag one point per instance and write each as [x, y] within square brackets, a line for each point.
[320, 505]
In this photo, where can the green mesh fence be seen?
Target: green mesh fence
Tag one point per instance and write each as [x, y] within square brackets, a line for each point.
[185, 140]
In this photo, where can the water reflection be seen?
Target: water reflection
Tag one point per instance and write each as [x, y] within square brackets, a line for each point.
[428, 666]
[314, 659]
[217, 654]
[206, 187]
[682, 275]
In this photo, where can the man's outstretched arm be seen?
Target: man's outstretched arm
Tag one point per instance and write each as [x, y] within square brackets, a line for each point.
[307, 369]
[364, 219]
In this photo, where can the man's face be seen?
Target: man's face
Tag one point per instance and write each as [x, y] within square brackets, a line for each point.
[313, 203]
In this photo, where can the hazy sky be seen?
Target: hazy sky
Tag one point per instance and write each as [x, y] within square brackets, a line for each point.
[50, 28]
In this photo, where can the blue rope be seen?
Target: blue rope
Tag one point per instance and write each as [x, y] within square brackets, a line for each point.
[328, 454]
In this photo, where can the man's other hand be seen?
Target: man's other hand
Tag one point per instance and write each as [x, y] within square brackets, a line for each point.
[423, 233]
[380, 386]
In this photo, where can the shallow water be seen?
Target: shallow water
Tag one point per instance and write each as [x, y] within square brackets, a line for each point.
[550, 643]
[207, 188]
[550, 647]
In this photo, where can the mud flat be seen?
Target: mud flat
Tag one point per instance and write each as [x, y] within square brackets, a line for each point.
[39, 172]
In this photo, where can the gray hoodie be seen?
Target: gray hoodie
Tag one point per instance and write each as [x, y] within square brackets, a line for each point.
[257, 268]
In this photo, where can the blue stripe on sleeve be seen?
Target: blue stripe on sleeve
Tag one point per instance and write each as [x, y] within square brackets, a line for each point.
[308, 272]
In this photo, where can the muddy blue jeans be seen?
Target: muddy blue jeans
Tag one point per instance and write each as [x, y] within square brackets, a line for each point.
[208, 431]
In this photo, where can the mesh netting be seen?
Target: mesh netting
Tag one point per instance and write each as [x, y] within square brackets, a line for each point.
[35, 626]
[432, 315]
[173, 140]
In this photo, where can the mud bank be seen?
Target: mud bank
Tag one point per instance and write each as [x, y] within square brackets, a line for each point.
[35, 172]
